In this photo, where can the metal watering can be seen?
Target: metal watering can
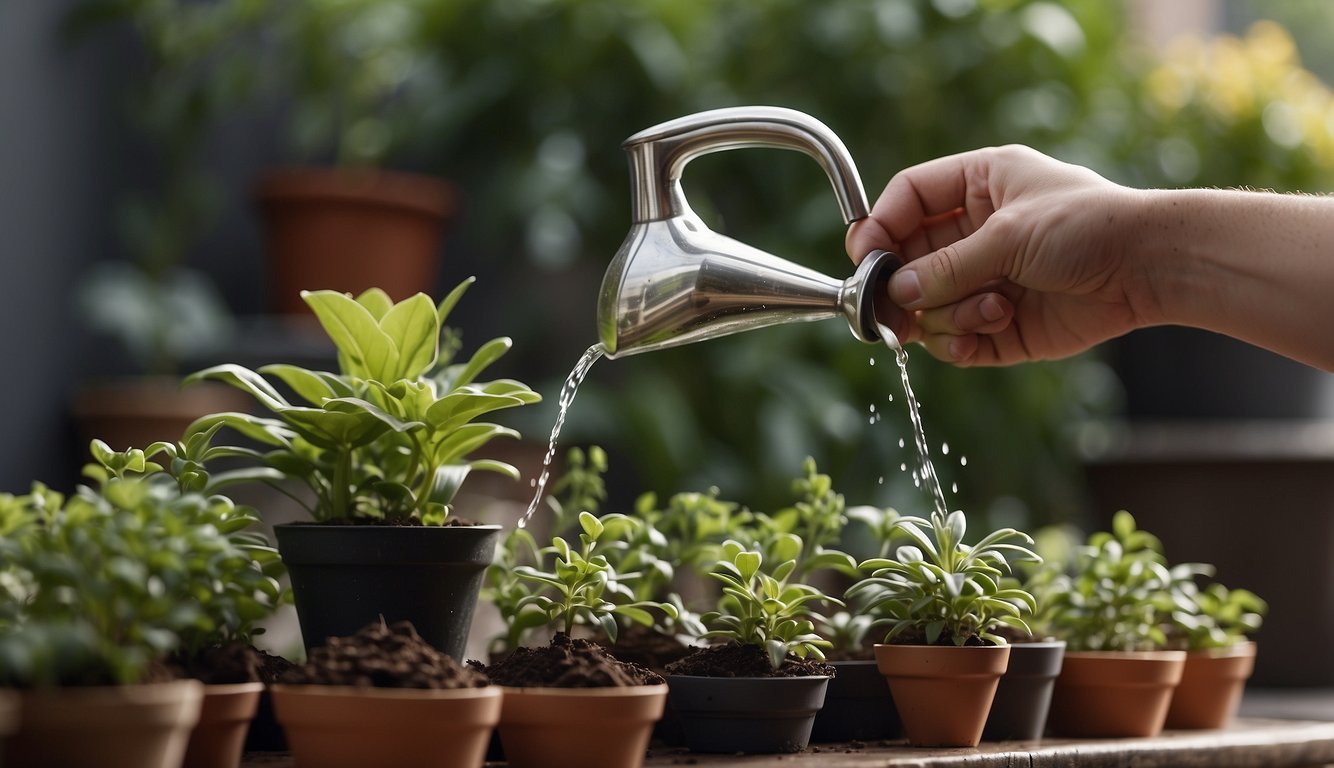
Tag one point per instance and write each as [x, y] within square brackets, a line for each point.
[674, 281]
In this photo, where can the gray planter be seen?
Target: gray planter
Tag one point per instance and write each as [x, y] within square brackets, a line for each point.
[746, 714]
[857, 706]
[347, 576]
[1023, 696]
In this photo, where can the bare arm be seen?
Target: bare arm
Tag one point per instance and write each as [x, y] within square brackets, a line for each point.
[1016, 256]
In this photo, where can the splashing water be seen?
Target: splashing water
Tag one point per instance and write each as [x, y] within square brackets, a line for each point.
[927, 471]
[567, 393]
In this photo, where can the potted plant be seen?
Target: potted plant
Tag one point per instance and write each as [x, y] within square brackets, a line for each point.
[385, 697]
[360, 81]
[759, 691]
[381, 446]
[943, 602]
[570, 702]
[1211, 625]
[1023, 695]
[103, 587]
[217, 648]
[1117, 677]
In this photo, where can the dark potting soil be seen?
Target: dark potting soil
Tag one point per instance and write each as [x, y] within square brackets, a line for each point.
[233, 663]
[734, 660]
[384, 656]
[653, 650]
[566, 663]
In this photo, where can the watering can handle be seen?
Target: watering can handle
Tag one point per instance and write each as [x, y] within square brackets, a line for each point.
[659, 154]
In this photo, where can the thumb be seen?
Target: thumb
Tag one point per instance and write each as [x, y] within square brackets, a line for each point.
[947, 275]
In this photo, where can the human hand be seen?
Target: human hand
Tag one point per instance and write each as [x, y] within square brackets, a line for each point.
[1010, 255]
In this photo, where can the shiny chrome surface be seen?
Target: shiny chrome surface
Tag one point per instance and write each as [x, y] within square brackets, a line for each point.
[674, 281]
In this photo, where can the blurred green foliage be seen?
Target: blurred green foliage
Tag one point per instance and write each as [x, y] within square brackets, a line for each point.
[524, 103]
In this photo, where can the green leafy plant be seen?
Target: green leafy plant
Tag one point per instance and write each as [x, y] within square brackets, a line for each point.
[103, 583]
[582, 587]
[942, 590]
[1213, 616]
[388, 436]
[806, 531]
[1118, 593]
[765, 610]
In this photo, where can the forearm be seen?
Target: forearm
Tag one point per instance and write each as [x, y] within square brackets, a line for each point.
[1257, 266]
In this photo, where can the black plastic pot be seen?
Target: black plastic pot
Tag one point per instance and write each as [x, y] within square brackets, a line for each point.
[746, 714]
[347, 576]
[857, 706]
[1023, 697]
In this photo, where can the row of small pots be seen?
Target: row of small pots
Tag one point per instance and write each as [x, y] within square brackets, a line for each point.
[158, 725]
[956, 697]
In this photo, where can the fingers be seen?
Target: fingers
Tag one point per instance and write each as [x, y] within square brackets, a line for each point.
[969, 332]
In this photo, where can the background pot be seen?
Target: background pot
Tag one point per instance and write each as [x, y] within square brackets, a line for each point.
[587, 727]
[746, 714]
[1023, 696]
[857, 705]
[1114, 694]
[340, 727]
[128, 726]
[351, 230]
[347, 576]
[9, 716]
[1211, 685]
[943, 692]
[136, 411]
[218, 740]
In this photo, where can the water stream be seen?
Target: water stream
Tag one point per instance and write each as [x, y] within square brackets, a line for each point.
[926, 470]
[567, 393]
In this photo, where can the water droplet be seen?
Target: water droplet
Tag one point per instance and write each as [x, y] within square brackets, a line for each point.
[891, 397]
[945, 448]
[954, 487]
[871, 420]
[523, 522]
[903, 467]
[881, 481]
[532, 482]
[900, 442]
[963, 461]
[872, 407]
[873, 361]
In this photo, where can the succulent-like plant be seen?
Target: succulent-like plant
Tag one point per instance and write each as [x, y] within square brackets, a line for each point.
[1118, 594]
[806, 531]
[940, 590]
[389, 435]
[582, 587]
[101, 584]
[1213, 616]
[765, 609]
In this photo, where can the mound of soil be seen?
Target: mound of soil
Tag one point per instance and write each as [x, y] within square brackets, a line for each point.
[648, 648]
[566, 663]
[384, 656]
[734, 660]
[234, 663]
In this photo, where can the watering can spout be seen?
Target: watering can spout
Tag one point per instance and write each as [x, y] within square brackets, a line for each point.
[674, 281]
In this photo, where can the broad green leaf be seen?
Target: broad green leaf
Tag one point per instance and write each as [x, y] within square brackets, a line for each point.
[243, 379]
[591, 525]
[460, 407]
[747, 563]
[499, 467]
[376, 301]
[415, 329]
[311, 386]
[489, 352]
[468, 439]
[371, 353]
[446, 483]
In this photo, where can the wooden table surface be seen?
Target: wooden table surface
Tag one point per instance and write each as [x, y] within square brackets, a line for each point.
[1262, 743]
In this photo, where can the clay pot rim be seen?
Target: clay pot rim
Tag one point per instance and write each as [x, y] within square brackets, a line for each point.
[1242, 649]
[423, 193]
[605, 691]
[397, 694]
[232, 689]
[1162, 655]
[134, 693]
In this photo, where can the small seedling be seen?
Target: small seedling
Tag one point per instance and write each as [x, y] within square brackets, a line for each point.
[763, 609]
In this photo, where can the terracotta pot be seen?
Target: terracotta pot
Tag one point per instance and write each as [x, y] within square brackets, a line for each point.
[218, 740]
[746, 714]
[347, 576]
[341, 727]
[587, 727]
[351, 230]
[136, 411]
[943, 693]
[1211, 686]
[1023, 697]
[1113, 693]
[129, 726]
[857, 706]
